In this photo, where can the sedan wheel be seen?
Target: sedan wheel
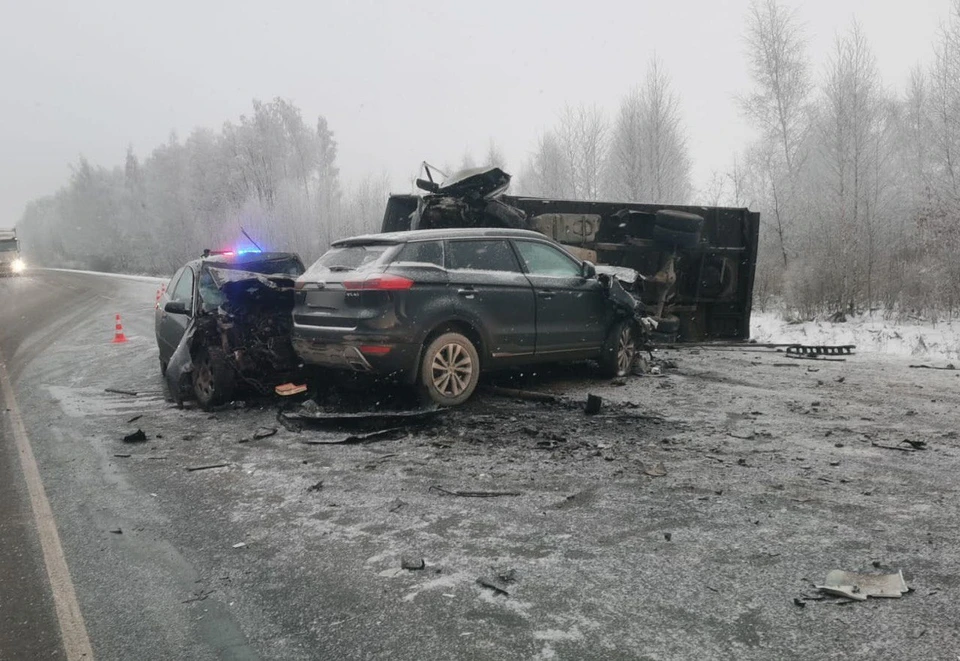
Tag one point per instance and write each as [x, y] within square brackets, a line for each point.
[451, 369]
[620, 350]
[626, 350]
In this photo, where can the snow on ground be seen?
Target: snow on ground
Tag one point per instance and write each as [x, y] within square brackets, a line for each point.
[926, 340]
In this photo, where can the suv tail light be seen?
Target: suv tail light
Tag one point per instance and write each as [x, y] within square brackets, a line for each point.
[379, 282]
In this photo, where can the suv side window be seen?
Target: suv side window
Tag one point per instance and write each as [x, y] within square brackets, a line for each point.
[422, 252]
[183, 291]
[481, 255]
[544, 259]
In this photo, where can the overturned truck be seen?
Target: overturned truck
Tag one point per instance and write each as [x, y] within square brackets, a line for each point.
[691, 267]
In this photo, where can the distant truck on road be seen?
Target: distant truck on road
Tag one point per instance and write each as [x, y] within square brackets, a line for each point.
[10, 261]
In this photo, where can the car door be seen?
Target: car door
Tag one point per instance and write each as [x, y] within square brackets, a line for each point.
[490, 289]
[573, 313]
[172, 326]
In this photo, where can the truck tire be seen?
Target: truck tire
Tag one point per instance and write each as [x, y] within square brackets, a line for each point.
[679, 221]
[619, 350]
[213, 380]
[675, 239]
[450, 369]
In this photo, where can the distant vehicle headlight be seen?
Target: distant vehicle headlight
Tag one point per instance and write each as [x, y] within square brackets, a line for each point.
[18, 266]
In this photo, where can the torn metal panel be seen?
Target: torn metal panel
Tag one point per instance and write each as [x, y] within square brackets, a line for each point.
[181, 364]
[854, 585]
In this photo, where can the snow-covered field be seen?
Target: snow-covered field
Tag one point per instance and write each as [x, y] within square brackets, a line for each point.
[924, 340]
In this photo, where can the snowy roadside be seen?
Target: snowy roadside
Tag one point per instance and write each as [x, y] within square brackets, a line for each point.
[921, 339]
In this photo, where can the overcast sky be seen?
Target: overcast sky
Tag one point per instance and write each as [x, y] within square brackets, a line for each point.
[398, 82]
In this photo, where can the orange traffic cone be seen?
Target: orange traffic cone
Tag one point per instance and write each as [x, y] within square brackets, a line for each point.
[118, 336]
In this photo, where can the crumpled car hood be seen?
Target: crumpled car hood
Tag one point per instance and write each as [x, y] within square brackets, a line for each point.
[480, 182]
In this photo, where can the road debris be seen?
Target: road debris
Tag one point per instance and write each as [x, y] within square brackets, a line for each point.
[117, 391]
[290, 389]
[264, 432]
[116, 531]
[412, 563]
[516, 393]
[594, 404]
[899, 448]
[134, 419]
[655, 470]
[396, 505]
[948, 366]
[205, 467]
[122, 455]
[495, 584]
[315, 487]
[857, 586]
[198, 596]
[817, 350]
[240, 545]
[474, 494]
[378, 435]
[136, 437]
[311, 412]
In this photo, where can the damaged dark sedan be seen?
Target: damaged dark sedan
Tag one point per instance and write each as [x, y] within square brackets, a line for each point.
[437, 307]
[224, 322]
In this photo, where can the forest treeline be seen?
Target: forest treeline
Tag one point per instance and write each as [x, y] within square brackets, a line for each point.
[858, 184]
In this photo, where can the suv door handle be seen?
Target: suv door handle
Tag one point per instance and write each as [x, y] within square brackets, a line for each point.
[546, 295]
[467, 292]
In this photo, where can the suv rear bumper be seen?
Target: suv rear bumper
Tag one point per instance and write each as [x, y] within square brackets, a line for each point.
[324, 348]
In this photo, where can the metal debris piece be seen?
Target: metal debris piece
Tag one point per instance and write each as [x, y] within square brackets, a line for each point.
[474, 494]
[412, 563]
[316, 487]
[357, 438]
[240, 545]
[916, 445]
[594, 403]
[892, 447]
[116, 531]
[134, 419]
[396, 505]
[264, 432]
[494, 584]
[516, 393]
[117, 391]
[949, 366]
[656, 470]
[310, 412]
[122, 455]
[136, 437]
[206, 467]
[853, 585]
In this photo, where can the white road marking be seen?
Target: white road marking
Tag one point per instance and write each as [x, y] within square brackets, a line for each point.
[73, 632]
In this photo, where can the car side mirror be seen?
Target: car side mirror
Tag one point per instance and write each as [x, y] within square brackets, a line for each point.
[588, 271]
[176, 307]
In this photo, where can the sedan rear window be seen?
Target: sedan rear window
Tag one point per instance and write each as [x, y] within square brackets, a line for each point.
[350, 258]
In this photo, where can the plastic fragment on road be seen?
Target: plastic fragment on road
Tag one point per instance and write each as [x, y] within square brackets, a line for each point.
[240, 545]
[655, 470]
[136, 437]
[857, 586]
[412, 563]
[288, 389]
[594, 403]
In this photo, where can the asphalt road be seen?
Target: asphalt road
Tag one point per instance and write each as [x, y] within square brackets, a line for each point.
[774, 476]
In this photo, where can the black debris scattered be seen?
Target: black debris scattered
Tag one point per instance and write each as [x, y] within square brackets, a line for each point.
[116, 531]
[316, 487]
[528, 395]
[668, 536]
[198, 596]
[134, 418]
[949, 366]
[498, 587]
[892, 447]
[799, 602]
[594, 403]
[474, 494]
[122, 455]
[396, 505]
[412, 563]
[378, 435]
[264, 432]
[116, 391]
[206, 467]
[916, 445]
[136, 437]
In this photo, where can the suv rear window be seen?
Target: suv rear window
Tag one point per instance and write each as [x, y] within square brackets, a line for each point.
[481, 255]
[350, 258]
[422, 252]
